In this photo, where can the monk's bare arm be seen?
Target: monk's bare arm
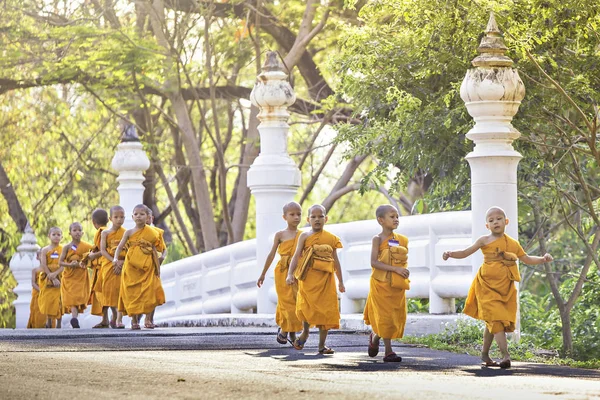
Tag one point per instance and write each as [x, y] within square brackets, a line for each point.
[103, 251]
[269, 259]
[535, 260]
[43, 263]
[466, 252]
[34, 273]
[121, 246]
[338, 271]
[296, 257]
[63, 255]
[375, 263]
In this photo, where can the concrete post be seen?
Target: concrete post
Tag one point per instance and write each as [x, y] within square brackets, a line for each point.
[492, 92]
[130, 161]
[21, 264]
[273, 178]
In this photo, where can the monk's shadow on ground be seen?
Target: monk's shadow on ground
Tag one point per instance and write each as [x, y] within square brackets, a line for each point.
[290, 354]
[535, 369]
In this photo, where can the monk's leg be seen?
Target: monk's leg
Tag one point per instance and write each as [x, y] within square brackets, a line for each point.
[119, 320]
[48, 322]
[488, 338]
[74, 312]
[502, 345]
[292, 336]
[388, 346]
[58, 322]
[113, 316]
[322, 338]
[104, 316]
[305, 331]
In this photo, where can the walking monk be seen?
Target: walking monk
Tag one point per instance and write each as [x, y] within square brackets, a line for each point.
[317, 261]
[141, 289]
[111, 271]
[285, 244]
[36, 318]
[49, 297]
[493, 296]
[162, 254]
[75, 288]
[93, 261]
[385, 309]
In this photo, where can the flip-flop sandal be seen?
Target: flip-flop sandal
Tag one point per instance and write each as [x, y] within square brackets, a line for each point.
[75, 323]
[148, 326]
[505, 364]
[100, 326]
[135, 327]
[392, 357]
[490, 364]
[373, 349]
[120, 326]
[326, 350]
[299, 344]
[280, 338]
[113, 325]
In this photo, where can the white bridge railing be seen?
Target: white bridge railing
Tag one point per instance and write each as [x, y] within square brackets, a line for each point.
[223, 281]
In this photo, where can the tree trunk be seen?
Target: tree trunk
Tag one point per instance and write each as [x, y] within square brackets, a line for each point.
[567, 334]
[14, 206]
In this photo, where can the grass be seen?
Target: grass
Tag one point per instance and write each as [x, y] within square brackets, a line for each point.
[466, 337]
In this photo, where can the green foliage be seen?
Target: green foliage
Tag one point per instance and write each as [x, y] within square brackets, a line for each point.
[7, 297]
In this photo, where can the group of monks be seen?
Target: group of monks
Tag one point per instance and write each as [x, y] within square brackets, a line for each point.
[120, 271]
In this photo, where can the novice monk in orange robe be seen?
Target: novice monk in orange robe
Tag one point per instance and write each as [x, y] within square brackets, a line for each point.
[493, 296]
[314, 263]
[49, 297]
[75, 288]
[141, 289]
[385, 309]
[111, 272]
[36, 318]
[93, 261]
[285, 244]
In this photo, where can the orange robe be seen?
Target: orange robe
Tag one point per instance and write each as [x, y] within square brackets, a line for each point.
[49, 297]
[317, 301]
[160, 293]
[36, 318]
[385, 309]
[493, 295]
[75, 285]
[285, 314]
[111, 282]
[96, 280]
[141, 289]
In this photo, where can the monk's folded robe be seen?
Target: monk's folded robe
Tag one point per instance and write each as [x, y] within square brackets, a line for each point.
[285, 313]
[317, 301]
[385, 309]
[75, 286]
[37, 320]
[141, 289]
[111, 282]
[49, 297]
[492, 296]
[96, 279]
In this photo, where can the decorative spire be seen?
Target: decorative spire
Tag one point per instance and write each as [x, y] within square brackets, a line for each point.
[28, 241]
[492, 49]
[271, 62]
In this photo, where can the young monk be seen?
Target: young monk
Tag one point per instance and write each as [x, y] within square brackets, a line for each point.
[36, 318]
[385, 309]
[285, 244]
[493, 296]
[93, 261]
[141, 290]
[111, 271]
[317, 261]
[162, 254]
[75, 288]
[49, 297]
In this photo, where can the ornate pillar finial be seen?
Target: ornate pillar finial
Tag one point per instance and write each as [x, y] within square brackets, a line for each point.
[21, 264]
[492, 49]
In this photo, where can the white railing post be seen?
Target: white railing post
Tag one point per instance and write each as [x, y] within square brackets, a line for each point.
[273, 178]
[130, 161]
[21, 264]
[492, 92]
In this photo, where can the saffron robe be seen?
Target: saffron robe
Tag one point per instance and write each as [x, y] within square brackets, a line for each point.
[141, 289]
[49, 297]
[317, 301]
[36, 318]
[111, 282]
[285, 313]
[492, 296]
[385, 309]
[96, 280]
[75, 285]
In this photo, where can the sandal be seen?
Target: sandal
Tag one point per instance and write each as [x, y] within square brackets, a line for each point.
[505, 364]
[326, 350]
[280, 338]
[100, 326]
[490, 363]
[135, 327]
[113, 325]
[299, 344]
[392, 357]
[373, 349]
[75, 323]
[148, 325]
[120, 325]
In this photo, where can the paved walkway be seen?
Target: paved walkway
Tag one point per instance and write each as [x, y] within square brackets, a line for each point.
[234, 363]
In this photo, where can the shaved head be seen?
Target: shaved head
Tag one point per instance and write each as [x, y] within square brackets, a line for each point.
[493, 210]
[384, 209]
[141, 207]
[75, 224]
[320, 207]
[115, 209]
[292, 205]
[100, 216]
[54, 229]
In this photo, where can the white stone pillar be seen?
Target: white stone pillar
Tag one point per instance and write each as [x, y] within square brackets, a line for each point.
[21, 264]
[273, 178]
[492, 92]
[130, 161]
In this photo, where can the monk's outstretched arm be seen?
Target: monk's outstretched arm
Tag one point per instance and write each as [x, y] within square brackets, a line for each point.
[534, 260]
[294, 263]
[269, 260]
[466, 252]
